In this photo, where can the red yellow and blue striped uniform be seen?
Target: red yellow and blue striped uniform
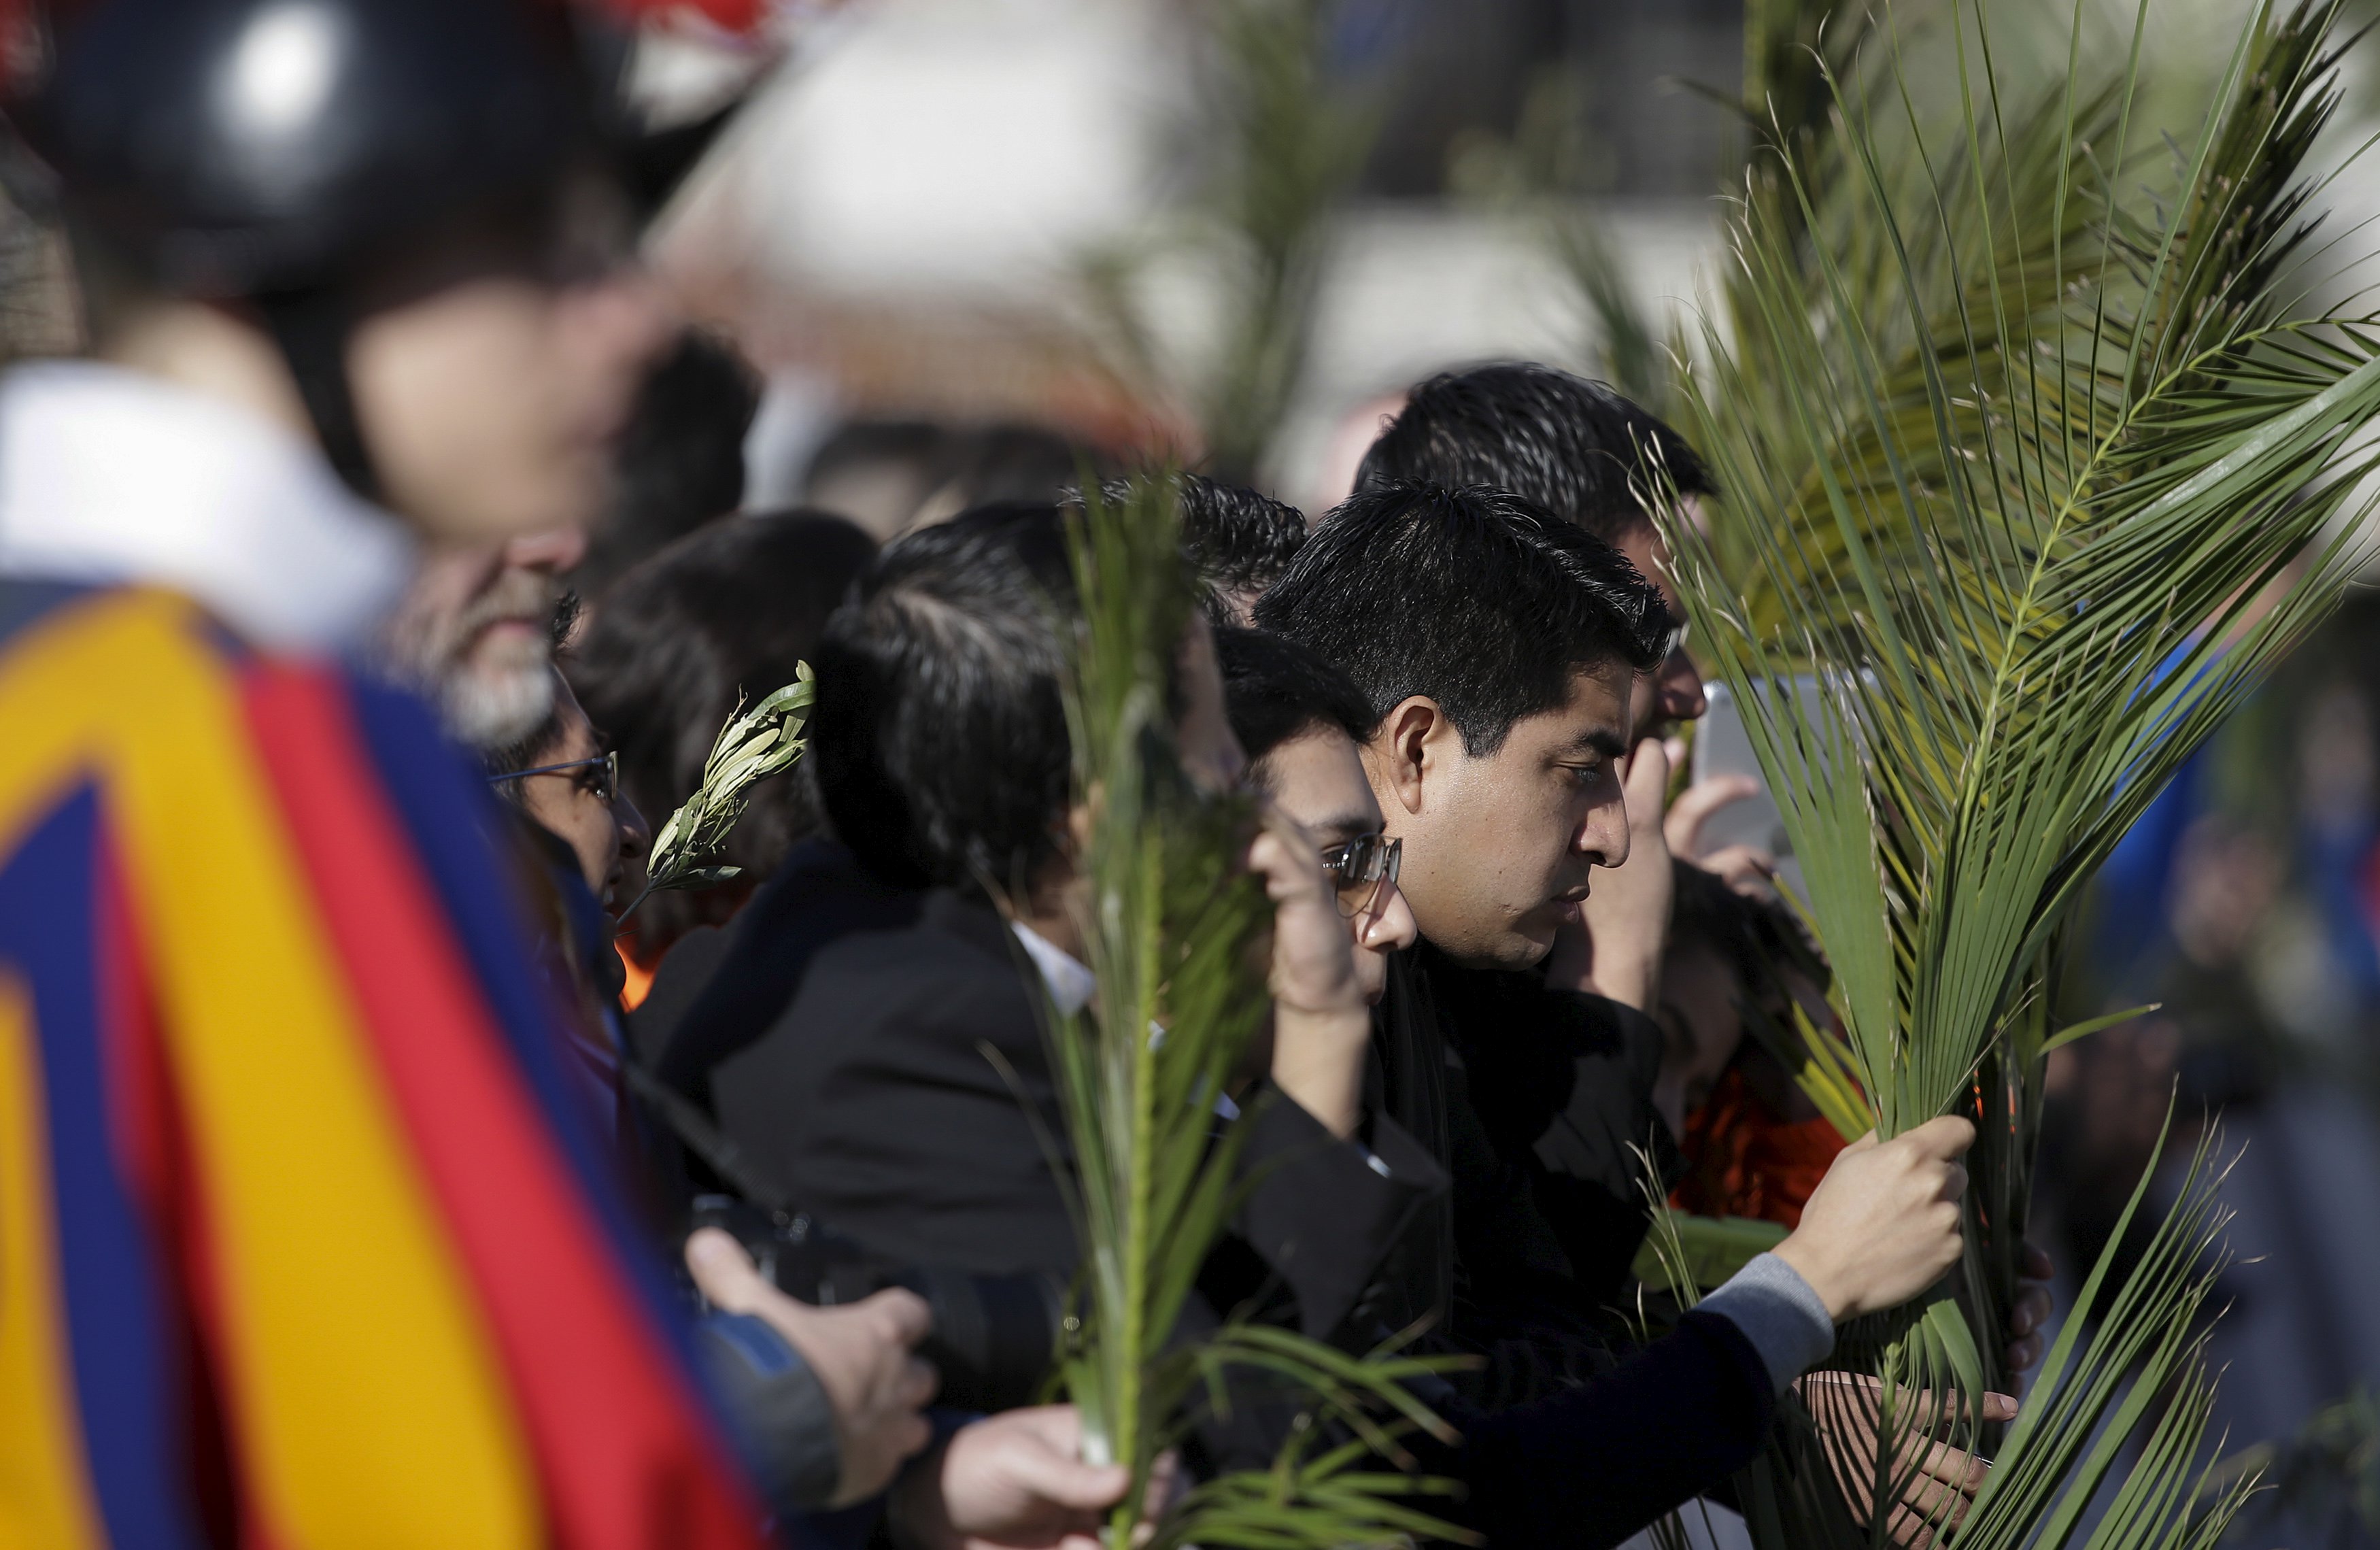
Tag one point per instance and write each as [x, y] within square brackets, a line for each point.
[303, 1243]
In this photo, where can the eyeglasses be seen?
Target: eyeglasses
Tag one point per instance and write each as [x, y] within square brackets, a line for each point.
[1361, 868]
[607, 785]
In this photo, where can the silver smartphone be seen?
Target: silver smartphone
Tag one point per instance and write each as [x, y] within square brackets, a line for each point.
[1723, 747]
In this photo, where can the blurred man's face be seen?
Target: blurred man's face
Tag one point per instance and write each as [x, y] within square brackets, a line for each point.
[473, 632]
[1499, 848]
[1317, 778]
[1672, 693]
[490, 394]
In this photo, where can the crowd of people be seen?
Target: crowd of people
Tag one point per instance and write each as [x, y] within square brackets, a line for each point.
[367, 1177]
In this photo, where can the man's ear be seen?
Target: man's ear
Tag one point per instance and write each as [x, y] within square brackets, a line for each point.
[1399, 757]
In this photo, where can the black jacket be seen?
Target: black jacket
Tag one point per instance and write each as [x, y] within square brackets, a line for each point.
[877, 1054]
[1530, 1097]
[840, 1038]
[1563, 1086]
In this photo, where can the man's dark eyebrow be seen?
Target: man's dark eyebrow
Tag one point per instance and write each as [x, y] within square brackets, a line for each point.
[1603, 740]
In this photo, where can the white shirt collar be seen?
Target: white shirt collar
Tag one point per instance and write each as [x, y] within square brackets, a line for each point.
[1067, 978]
[110, 476]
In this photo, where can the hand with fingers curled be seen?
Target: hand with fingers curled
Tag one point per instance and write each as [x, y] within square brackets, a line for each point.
[1015, 1480]
[863, 1356]
[1747, 868]
[1883, 1224]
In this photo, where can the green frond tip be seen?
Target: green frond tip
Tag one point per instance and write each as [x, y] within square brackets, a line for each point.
[754, 745]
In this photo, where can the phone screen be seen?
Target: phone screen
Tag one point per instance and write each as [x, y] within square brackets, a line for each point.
[1723, 747]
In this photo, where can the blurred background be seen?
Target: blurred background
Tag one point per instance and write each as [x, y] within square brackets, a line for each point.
[950, 250]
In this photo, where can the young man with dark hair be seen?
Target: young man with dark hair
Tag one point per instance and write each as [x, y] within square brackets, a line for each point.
[1496, 648]
[1579, 450]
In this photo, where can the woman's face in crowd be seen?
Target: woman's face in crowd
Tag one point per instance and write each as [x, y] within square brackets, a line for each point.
[570, 804]
[1317, 778]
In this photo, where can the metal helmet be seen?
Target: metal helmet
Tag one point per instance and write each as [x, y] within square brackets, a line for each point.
[239, 147]
[265, 149]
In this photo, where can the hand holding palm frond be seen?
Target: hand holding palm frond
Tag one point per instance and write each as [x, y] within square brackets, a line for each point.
[754, 745]
[2037, 477]
[1169, 933]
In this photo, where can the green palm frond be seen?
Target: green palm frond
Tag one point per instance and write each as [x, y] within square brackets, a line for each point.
[1169, 932]
[2035, 464]
[754, 745]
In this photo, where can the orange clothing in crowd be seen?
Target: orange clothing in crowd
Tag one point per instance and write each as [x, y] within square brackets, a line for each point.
[1743, 1159]
[639, 983]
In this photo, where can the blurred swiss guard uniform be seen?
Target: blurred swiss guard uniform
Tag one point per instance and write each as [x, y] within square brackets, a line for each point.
[304, 1239]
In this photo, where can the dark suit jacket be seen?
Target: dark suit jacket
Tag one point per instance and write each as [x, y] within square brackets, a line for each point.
[839, 1040]
[877, 1054]
[1563, 1086]
[1571, 1437]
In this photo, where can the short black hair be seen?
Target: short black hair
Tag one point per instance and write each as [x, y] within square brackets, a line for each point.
[939, 735]
[1237, 540]
[724, 615]
[1473, 597]
[1275, 690]
[1572, 447]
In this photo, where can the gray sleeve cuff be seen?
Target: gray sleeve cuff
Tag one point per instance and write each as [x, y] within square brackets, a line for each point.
[1780, 1314]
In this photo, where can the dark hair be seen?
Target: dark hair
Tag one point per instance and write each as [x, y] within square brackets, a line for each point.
[722, 614]
[1276, 690]
[1758, 940]
[1237, 540]
[680, 460]
[1572, 447]
[1473, 597]
[940, 739]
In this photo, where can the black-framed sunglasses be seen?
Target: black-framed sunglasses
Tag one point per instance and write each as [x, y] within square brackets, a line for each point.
[607, 785]
[1360, 869]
